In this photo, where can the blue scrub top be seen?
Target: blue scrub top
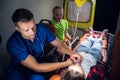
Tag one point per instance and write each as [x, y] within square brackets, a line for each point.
[19, 48]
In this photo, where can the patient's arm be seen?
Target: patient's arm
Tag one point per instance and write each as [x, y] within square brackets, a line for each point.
[104, 51]
[104, 59]
[104, 42]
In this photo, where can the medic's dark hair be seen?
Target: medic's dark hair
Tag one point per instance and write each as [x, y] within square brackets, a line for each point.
[21, 15]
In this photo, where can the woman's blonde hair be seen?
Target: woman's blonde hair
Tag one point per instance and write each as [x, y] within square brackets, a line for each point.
[72, 75]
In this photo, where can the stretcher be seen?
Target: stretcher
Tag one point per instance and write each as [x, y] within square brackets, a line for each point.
[53, 50]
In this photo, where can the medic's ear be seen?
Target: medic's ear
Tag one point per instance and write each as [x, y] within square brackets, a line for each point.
[16, 28]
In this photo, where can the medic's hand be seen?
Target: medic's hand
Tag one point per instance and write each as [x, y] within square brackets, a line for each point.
[69, 62]
[76, 58]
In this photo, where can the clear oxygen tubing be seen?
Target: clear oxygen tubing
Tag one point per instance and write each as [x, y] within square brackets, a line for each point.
[77, 14]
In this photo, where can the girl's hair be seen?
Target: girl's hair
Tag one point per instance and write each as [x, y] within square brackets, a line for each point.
[56, 7]
[72, 75]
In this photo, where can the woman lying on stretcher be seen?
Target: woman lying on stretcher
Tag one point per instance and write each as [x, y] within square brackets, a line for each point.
[92, 47]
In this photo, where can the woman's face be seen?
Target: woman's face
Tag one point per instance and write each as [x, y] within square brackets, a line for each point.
[76, 68]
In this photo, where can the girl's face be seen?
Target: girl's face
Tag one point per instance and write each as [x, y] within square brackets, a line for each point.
[58, 14]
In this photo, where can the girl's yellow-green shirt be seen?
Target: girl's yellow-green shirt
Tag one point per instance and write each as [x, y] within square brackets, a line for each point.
[60, 28]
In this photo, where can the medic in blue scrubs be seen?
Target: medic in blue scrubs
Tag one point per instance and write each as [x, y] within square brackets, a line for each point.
[26, 46]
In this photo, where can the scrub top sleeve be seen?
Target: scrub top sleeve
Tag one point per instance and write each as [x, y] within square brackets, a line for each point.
[18, 53]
